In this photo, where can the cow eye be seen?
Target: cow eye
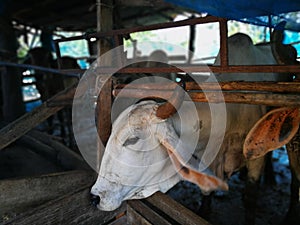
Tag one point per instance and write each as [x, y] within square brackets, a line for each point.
[131, 141]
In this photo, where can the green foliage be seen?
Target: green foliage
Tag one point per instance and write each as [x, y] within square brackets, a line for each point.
[141, 37]
[258, 34]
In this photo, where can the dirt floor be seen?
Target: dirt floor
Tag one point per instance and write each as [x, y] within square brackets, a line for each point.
[227, 207]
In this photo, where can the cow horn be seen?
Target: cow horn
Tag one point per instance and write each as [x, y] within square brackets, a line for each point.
[283, 54]
[169, 108]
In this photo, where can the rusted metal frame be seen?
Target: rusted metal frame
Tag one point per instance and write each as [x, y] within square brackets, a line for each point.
[205, 68]
[187, 22]
[292, 87]
[224, 67]
[119, 33]
[223, 43]
[267, 86]
[270, 99]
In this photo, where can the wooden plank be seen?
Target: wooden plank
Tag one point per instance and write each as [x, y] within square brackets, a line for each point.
[269, 99]
[225, 86]
[64, 156]
[205, 68]
[73, 208]
[23, 124]
[174, 210]
[147, 212]
[120, 221]
[134, 218]
[20, 194]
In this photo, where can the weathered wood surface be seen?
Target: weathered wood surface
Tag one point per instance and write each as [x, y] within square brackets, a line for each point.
[205, 68]
[174, 210]
[103, 110]
[21, 194]
[269, 99]
[23, 124]
[140, 213]
[63, 155]
[223, 42]
[135, 218]
[121, 221]
[73, 208]
[160, 209]
[224, 86]
[277, 87]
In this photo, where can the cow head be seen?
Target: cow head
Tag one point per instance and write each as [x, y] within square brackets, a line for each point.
[143, 156]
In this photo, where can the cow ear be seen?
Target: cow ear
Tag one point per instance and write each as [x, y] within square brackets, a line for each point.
[207, 183]
[272, 131]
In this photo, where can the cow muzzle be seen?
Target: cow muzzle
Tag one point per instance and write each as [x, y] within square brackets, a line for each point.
[95, 199]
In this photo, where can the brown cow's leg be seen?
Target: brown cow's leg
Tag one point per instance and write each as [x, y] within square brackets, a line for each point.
[293, 149]
[255, 169]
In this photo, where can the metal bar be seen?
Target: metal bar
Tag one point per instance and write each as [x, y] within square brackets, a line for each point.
[291, 87]
[223, 42]
[205, 68]
[218, 97]
[187, 22]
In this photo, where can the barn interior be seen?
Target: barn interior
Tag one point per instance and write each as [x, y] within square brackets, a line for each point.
[56, 189]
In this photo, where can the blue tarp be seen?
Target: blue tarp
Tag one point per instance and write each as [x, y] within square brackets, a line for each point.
[255, 12]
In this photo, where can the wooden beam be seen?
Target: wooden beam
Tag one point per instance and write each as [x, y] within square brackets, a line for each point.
[174, 210]
[19, 195]
[219, 97]
[105, 16]
[137, 210]
[225, 86]
[206, 68]
[64, 156]
[23, 124]
[72, 208]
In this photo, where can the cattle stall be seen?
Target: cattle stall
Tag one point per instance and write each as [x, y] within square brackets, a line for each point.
[266, 93]
[72, 205]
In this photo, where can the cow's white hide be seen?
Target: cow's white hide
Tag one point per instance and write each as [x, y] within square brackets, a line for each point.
[131, 170]
[134, 165]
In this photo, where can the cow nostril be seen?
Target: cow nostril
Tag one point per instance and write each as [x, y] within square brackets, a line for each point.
[95, 200]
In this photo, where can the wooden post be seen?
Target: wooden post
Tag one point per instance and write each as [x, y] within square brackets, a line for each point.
[104, 101]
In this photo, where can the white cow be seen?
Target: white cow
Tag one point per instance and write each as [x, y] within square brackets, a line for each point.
[144, 153]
